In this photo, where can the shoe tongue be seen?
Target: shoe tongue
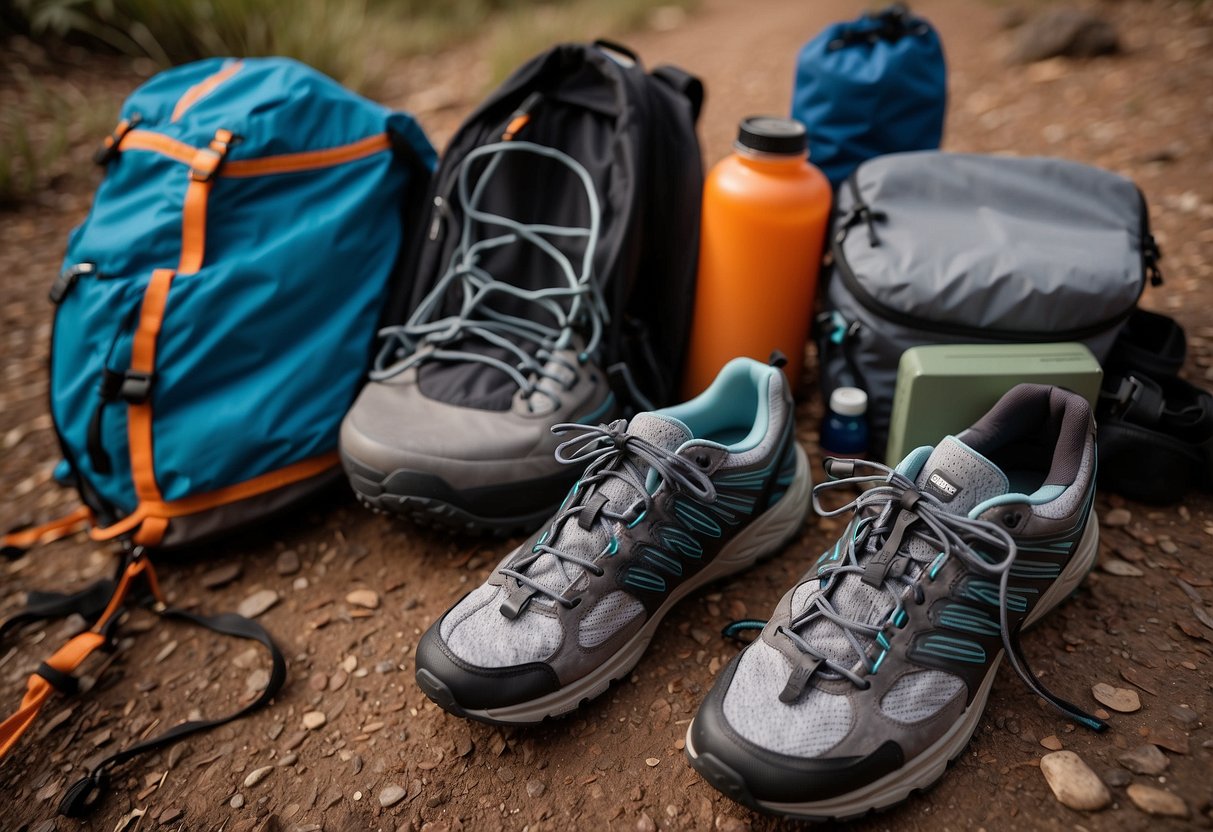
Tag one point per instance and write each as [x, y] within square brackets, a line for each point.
[960, 477]
[665, 432]
[956, 474]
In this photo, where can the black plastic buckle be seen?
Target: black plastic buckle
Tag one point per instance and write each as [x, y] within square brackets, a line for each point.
[108, 151]
[136, 386]
[67, 279]
[206, 166]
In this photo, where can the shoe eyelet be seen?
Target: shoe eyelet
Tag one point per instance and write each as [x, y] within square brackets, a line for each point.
[1011, 519]
[576, 602]
[703, 460]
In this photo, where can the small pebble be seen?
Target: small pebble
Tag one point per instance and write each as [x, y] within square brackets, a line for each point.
[258, 603]
[651, 762]
[365, 598]
[1154, 801]
[391, 795]
[1118, 699]
[1117, 517]
[221, 576]
[1051, 742]
[1144, 759]
[256, 776]
[535, 788]
[1121, 568]
[1073, 783]
[313, 720]
[288, 562]
[237, 801]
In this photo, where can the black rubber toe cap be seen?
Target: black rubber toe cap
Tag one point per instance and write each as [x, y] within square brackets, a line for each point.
[749, 773]
[457, 686]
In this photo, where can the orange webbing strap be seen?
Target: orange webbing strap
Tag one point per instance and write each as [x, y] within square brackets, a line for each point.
[204, 88]
[55, 672]
[153, 512]
[203, 168]
[143, 360]
[17, 541]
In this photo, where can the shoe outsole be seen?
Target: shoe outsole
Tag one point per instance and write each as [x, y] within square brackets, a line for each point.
[768, 535]
[436, 514]
[925, 771]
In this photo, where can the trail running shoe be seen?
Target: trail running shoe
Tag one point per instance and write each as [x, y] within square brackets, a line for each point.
[668, 503]
[874, 670]
[454, 427]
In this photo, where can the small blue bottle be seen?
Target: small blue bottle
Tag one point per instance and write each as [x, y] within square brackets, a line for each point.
[844, 433]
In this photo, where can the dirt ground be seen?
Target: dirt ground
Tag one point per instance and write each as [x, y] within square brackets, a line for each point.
[1145, 113]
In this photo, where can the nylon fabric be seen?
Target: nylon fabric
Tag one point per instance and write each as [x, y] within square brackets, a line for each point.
[862, 96]
[237, 394]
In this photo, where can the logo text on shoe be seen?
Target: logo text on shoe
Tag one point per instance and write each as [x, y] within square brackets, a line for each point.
[941, 487]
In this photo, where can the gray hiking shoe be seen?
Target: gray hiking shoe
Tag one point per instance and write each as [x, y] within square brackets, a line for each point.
[668, 503]
[455, 424]
[874, 670]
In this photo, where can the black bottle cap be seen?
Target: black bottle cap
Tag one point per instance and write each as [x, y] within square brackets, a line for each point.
[768, 134]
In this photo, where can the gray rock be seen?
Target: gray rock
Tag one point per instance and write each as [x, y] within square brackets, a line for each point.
[1186, 717]
[288, 562]
[1144, 759]
[1117, 777]
[258, 603]
[1070, 33]
[221, 576]
[391, 795]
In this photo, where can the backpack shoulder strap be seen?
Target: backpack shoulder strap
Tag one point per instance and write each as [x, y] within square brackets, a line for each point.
[683, 82]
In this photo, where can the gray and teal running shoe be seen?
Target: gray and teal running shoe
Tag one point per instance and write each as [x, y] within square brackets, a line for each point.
[669, 502]
[874, 670]
[454, 427]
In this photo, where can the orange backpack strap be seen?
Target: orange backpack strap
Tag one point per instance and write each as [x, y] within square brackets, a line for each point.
[56, 673]
[16, 542]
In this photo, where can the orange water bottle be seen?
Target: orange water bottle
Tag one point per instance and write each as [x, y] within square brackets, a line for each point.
[765, 210]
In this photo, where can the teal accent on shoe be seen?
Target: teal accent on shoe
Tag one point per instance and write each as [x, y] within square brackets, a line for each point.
[987, 593]
[879, 661]
[612, 546]
[1035, 570]
[644, 579]
[954, 649]
[680, 542]
[899, 617]
[733, 628]
[661, 560]
[911, 466]
[936, 565]
[738, 398]
[970, 620]
[639, 517]
[882, 641]
[696, 518]
[1042, 495]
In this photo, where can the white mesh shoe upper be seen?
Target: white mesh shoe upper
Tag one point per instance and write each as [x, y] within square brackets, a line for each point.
[477, 632]
[612, 612]
[808, 727]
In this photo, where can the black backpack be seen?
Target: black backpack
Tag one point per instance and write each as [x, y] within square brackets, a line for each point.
[634, 133]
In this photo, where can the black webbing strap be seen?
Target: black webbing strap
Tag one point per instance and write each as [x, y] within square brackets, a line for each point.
[39, 606]
[84, 793]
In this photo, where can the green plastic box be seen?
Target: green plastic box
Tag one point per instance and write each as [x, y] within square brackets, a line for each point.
[944, 388]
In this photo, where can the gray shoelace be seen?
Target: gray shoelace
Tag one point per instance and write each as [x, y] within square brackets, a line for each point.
[610, 452]
[576, 306]
[884, 519]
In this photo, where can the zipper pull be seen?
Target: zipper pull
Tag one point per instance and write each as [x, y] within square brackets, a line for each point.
[436, 221]
[520, 117]
[67, 279]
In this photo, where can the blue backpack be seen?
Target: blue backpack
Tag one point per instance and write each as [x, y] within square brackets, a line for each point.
[214, 321]
[868, 87]
[217, 307]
